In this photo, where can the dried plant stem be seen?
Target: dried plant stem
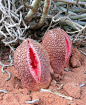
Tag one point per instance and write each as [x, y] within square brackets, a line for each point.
[75, 17]
[69, 22]
[77, 2]
[22, 6]
[5, 71]
[2, 33]
[81, 85]
[56, 93]
[44, 15]
[68, 5]
[28, 6]
[74, 24]
[60, 3]
[64, 10]
[3, 91]
[79, 33]
[71, 2]
[11, 23]
[7, 43]
[32, 102]
[30, 14]
[82, 52]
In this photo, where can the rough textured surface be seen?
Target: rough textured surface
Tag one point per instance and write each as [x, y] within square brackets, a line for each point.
[73, 89]
[16, 93]
[76, 61]
[55, 43]
[21, 64]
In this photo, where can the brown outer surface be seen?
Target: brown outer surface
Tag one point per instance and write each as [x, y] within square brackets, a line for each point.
[21, 64]
[54, 43]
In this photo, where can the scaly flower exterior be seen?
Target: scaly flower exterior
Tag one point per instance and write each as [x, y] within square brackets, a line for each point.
[32, 62]
[58, 45]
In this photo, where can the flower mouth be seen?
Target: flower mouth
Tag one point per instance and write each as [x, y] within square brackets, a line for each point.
[33, 62]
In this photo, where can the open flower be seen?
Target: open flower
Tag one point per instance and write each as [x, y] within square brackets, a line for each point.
[32, 62]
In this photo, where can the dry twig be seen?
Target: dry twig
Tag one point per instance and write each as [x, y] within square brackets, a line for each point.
[32, 102]
[5, 71]
[3, 91]
[56, 93]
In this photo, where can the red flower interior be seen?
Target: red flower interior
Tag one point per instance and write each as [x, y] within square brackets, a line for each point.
[68, 47]
[34, 63]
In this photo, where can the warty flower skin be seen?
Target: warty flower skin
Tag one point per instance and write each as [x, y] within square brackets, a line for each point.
[58, 45]
[33, 65]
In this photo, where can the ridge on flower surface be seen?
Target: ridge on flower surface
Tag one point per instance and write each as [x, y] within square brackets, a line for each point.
[58, 45]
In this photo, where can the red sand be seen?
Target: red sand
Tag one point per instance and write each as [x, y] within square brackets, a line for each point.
[70, 81]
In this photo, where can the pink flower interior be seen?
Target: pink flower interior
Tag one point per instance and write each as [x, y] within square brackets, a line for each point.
[33, 62]
[68, 47]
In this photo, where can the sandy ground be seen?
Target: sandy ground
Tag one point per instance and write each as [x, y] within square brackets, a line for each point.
[71, 83]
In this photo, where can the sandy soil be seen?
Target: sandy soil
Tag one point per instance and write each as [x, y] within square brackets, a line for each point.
[71, 83]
